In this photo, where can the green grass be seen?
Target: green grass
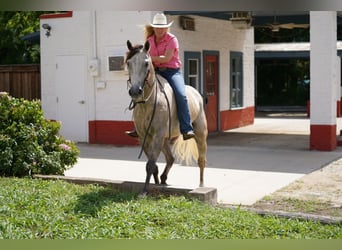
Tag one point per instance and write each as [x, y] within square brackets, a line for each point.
[34, 209]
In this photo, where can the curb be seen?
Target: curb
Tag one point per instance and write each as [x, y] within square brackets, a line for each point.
[204, 194]
[325, 220]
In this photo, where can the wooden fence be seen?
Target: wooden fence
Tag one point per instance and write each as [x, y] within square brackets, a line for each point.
[21, 81]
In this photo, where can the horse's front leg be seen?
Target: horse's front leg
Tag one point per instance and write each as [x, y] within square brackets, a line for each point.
[152, 148]
[151, 168]
[152, 152]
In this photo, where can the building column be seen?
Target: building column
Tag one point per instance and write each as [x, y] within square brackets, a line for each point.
[338, 86]
[323, 80]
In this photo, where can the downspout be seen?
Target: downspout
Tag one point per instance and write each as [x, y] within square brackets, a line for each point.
[94, 35]
[94, 60]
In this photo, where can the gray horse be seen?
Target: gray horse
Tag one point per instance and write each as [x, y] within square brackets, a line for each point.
[155, 117]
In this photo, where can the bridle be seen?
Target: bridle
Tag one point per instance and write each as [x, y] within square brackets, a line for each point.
[133, 103]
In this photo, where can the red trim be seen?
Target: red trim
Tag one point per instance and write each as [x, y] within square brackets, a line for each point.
[230, 119]
[323, 137]
[57, 15]
[111, 132]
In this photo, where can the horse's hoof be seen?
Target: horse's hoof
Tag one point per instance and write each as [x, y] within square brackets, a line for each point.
[142, 195]
[163, 178]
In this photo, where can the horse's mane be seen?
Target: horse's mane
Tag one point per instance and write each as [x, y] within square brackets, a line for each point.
[135, 49]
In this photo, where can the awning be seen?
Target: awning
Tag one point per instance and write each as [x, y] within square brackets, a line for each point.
[286, 50]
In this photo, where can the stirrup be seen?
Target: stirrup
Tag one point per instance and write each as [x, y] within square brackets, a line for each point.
[188, 135]
[132, 133]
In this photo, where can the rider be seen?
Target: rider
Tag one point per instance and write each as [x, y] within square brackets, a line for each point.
[164, 51]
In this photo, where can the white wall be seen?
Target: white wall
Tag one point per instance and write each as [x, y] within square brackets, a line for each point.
[220, 35]
[69, 36]
[113, 30]
[94, 34]
[97, 34]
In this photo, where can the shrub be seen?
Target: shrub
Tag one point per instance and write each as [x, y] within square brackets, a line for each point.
[30, 144]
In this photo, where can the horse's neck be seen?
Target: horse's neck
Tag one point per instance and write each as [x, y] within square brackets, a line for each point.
[150, 85]
[152, 76]
[151, 79]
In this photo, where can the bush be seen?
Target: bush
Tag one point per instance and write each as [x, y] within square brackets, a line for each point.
[30, 144]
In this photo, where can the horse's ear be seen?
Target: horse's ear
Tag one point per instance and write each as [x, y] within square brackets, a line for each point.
[129, 45]
[147, 46]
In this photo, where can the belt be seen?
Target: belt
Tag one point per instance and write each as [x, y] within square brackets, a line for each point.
[161, 69]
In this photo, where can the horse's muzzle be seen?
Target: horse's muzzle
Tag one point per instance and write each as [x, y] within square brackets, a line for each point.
[135, 91]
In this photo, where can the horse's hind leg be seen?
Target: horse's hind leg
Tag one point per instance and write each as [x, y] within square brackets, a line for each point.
[201, 141]
[201, 164]
[169, 162]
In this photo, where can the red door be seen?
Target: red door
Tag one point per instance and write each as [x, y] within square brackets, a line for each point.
[211, 91]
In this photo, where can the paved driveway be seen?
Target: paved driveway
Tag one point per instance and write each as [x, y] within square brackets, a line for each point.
[244, 164]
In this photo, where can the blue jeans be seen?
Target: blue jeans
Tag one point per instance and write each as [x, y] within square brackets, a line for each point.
[176, 80]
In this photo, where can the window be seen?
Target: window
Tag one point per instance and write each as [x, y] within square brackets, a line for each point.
[236, 80]
[193, 73]
[192, 69]
[115, 63]
[187, 23]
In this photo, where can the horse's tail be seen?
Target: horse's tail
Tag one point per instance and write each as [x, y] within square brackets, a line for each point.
[185, 152]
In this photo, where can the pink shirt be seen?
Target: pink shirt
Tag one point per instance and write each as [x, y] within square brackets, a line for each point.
[169, 41]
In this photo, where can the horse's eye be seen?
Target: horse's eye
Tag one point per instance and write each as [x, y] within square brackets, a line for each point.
[146, 64]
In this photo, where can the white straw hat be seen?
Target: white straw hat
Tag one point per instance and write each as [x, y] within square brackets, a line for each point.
[160, 21]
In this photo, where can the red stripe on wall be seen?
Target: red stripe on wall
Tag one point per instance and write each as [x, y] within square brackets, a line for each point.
[57, 15]
[230, 119]
[111, 132]
[323, 137]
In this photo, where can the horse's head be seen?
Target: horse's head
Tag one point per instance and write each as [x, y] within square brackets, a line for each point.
[139, 65]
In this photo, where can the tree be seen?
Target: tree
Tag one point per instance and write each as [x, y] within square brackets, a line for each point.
[13, 26]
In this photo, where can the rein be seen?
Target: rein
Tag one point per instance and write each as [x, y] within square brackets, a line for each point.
[168, 104]
[150, 123]
[134, 103]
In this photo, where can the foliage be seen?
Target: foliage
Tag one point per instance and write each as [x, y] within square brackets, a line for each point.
[13, 26]
[266, 35]
[35, 209]
[283, 82]
[30, 144]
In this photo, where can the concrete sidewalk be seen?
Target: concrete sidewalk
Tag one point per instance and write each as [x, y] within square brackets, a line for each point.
[243, 164]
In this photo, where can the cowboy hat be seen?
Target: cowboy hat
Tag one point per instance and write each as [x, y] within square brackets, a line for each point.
[160, 21]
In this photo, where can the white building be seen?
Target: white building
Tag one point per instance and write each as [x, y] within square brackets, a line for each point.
[85, 87]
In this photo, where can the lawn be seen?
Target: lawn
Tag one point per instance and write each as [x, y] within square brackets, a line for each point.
[35, 209]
